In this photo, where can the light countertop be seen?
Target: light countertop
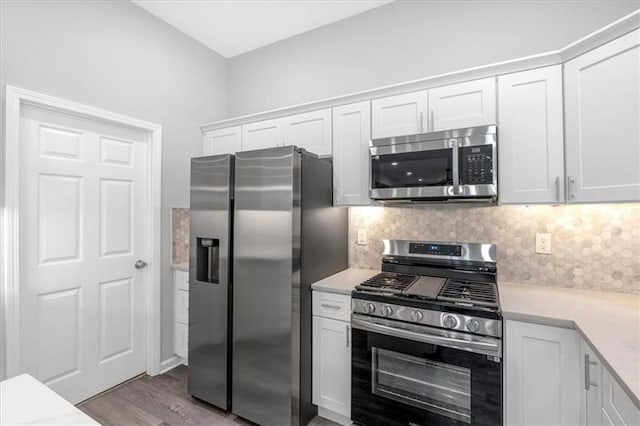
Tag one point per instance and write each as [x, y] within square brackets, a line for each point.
[343, 282]
[23, 400]
[608, 321]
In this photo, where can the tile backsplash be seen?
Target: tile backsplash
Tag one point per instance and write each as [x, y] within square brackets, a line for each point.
[179, 235]
[593, 246]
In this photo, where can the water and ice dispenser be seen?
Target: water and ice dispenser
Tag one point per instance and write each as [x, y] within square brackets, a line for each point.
[208, 260]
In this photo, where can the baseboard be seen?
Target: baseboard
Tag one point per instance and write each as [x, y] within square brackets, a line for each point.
[333, 416]
[170, 364]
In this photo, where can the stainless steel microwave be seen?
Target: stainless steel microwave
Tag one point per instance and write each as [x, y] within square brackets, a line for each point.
[453, 165]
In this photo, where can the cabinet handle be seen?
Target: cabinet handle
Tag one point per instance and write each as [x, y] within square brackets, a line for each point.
[348, 335]
[327, 305]
[570, 183]
[433, 120]
[422, 122]
[587, 373]
[557, 189]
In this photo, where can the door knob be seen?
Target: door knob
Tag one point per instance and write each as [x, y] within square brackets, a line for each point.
[140, 264]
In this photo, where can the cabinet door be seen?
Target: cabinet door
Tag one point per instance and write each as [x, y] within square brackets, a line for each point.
[463, 105]
[617, 408]
[180, 340]
[399, 115]
[530, 144]
[181, 307]
[602, 95]
[542, 376]
[223, 141]
[263, 134]
[332, 365]
[351, 135]
[591, 368]
[311, 131]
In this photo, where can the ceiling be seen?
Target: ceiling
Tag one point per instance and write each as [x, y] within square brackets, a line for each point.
[235, 27]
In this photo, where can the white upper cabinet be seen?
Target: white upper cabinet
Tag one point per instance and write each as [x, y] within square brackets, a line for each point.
[351, 135]
[542, 375]
[468, 104]
[530, 143]
[399, 115]
[602, 95]
[263, 134]
[311, 131]
[462, 105]
[223, 141]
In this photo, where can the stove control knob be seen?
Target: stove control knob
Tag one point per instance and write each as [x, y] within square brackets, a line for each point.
[473, 325]
[416, 316]
[387, 311]
[450, 321]
[369, 308]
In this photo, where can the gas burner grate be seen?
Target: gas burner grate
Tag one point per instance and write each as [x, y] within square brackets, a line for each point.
[388, 282]
[477, 293]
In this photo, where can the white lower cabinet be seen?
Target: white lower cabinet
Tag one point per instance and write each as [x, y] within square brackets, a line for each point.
[542, 375]
[552, 377]
[181, 315]
[591, 393]
[604, 402]
[332, 356]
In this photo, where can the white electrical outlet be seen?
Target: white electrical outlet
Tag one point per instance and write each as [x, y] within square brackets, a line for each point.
[362, 237]
[543, 243]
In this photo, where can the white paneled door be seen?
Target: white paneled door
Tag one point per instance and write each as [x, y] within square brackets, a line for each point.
[83, 198]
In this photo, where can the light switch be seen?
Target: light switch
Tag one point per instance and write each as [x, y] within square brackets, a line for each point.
[362, 237]
[543, 243]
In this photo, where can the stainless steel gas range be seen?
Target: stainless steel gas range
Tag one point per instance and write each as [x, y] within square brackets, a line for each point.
[427, 337]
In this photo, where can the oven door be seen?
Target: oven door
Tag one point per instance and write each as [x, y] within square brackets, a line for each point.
[418, 375]
[415, 170]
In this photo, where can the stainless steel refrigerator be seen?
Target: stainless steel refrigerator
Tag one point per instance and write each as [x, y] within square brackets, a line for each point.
[263, 228]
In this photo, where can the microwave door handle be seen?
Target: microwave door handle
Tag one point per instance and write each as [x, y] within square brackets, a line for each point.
[456, 175]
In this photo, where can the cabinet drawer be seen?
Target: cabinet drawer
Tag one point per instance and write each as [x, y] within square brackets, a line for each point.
[182, 306]
[181, 279]
[331, 305]
[181, 340]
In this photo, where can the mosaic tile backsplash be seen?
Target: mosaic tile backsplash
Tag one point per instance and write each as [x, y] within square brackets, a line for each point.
[179, 235]
[593, 246]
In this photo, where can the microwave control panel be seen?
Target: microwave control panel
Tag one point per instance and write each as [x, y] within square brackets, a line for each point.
[476, 165]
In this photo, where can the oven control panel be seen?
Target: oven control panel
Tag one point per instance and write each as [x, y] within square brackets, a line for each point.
[436, 249]
[448, 320]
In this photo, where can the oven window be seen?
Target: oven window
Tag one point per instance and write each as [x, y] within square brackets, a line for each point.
[412, 169]
[435, 386]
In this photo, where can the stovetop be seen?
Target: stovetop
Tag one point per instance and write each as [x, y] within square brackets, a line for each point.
[388, 282]
[464, 292]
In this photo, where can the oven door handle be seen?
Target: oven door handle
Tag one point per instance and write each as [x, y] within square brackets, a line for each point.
[486, 346]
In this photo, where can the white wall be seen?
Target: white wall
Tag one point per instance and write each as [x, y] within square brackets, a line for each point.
[116, 56]
[407, 40]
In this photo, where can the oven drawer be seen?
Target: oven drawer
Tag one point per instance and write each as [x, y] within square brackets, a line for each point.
[332, 305]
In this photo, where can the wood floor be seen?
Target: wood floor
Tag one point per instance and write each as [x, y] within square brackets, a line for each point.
[160, 400]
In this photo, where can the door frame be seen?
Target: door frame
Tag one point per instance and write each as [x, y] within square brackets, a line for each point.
[16, 98]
